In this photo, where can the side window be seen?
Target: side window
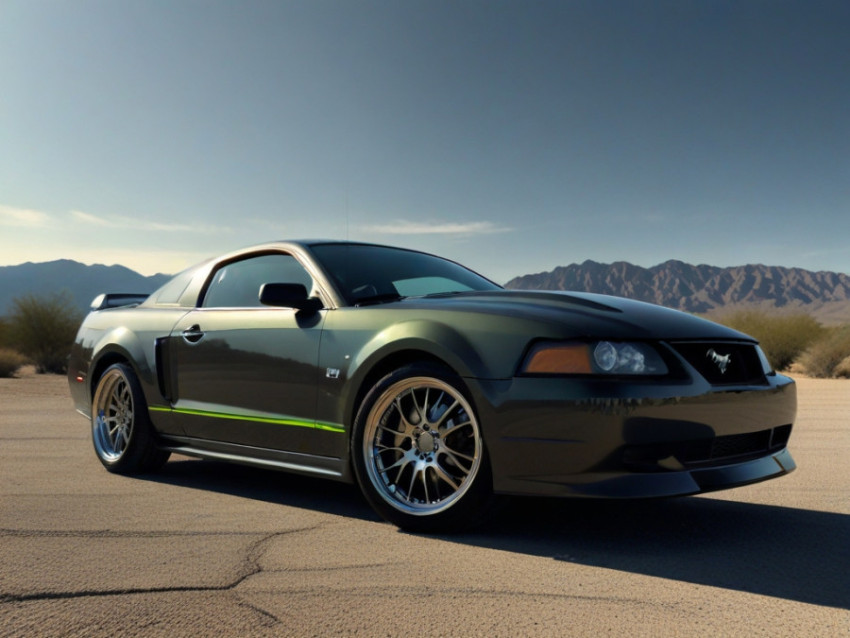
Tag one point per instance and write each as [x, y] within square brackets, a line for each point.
[237, 285]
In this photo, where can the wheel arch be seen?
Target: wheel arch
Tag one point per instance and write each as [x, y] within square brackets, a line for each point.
[406, 343]
[108, 359]
[385, 366]
[121, 346]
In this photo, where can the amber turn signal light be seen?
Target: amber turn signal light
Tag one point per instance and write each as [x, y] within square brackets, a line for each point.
[562, 358]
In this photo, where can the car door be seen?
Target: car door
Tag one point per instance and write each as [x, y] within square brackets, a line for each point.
[244, 373]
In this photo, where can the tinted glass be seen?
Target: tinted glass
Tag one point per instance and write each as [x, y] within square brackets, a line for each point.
[237, 285]
[170, 293]
[361, 271]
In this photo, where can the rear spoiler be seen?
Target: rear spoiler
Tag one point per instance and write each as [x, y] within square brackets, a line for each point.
[116, 300]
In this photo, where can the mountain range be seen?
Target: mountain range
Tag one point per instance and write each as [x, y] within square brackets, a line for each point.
[82, 282]
[675, 284]
[705, 289]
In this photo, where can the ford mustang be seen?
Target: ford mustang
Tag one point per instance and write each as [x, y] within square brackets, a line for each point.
[431, 387]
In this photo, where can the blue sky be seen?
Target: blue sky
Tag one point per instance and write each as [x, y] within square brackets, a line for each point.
[511, 136]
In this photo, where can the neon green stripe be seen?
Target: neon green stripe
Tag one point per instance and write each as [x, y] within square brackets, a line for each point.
[329, 427]
[300, 423]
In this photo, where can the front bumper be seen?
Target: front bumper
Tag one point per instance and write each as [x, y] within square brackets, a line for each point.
[609, 439]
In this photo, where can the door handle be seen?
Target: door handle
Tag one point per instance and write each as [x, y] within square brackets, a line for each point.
[193, 334]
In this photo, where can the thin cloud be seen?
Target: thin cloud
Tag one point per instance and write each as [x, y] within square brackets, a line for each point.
[135, 224]
[272, 225]
[23, 217]
[404, 227]
[88, 218]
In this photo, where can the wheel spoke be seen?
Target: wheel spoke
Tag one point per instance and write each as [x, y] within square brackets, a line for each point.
[454, 454]
[416, 407]
[411, 486]
[423, 473]
[455, 426]
[442, 474]
[404, 436]
[445, 415]
[387, 448]
[390, 430]
[122, 400]
[406, 426]
[402, 462]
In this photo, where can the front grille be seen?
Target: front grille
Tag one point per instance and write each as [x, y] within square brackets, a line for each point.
[738, 444]
[724, 363]
[730, 448]
[736, 447]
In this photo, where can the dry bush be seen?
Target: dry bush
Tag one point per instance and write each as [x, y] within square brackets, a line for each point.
[829, 357]
[783, 338]
[43, 329]
[10, 362]
[5, 333]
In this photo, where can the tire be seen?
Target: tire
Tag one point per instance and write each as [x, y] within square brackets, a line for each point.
[122, 433]
[418, 452]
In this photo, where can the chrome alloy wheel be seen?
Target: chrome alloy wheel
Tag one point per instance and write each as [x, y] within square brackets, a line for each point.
[422, 445]
[113, 416]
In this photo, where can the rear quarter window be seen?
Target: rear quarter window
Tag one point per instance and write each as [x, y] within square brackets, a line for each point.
[170, 293]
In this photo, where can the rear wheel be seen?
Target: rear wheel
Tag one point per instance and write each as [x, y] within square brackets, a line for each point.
[122, 434]
[418, 451]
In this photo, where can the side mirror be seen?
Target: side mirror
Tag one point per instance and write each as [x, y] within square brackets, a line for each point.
[288, 296]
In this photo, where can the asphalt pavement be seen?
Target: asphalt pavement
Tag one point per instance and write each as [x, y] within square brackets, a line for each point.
[203, 548]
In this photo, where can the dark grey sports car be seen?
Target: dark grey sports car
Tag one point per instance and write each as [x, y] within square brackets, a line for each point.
[429, 385]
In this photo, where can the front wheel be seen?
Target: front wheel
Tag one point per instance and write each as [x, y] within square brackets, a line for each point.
[418, 452]
[122, 434]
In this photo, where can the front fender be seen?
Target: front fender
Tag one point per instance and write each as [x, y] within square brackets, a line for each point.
[400, 342]
[432, 337]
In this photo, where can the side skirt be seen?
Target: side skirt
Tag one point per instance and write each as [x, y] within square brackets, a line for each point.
[308, 464]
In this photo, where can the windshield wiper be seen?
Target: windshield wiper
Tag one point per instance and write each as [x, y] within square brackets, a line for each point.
[376, 299]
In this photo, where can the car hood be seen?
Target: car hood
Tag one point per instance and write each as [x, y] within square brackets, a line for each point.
[576, 314]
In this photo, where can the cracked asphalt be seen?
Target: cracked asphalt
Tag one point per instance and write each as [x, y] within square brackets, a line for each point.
[204, 548]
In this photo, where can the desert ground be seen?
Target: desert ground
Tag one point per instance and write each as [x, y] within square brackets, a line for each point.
[208, 549]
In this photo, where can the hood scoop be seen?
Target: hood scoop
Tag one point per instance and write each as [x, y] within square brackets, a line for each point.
[574, 299]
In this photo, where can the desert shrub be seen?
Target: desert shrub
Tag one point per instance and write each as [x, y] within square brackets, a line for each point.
[829, 356]
[5, 333]
[783, 337]
[43, 329]
[10, 362]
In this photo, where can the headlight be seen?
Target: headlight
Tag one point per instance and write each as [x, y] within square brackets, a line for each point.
[596, 357]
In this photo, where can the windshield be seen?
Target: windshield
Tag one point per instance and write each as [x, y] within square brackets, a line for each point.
[363, 273]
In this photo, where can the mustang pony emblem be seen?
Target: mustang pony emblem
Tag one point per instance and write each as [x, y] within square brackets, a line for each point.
[722, 361]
